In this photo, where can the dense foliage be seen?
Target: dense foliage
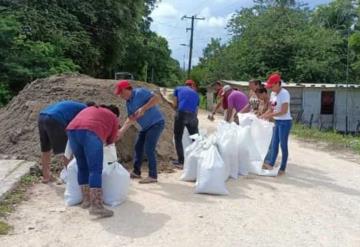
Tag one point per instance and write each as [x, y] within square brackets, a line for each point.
[306, 45]
[98, 38]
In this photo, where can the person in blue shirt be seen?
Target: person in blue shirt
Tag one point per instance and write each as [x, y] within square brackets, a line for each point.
[142, 107]
[186, 102]
[52, 123]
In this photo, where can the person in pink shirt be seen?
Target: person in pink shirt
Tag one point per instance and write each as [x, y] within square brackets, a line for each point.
[236, 101]
[88, 132]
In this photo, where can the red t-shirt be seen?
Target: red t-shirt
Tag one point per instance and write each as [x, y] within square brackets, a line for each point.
[99, 120]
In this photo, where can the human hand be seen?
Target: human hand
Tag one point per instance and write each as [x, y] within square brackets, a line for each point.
[139, 113]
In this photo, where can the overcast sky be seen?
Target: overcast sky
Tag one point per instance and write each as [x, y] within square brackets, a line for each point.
[167, 22]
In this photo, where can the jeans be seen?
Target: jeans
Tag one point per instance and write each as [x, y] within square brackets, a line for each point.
[182, 120]
[88, 151]
[280, 136]
[148, 140]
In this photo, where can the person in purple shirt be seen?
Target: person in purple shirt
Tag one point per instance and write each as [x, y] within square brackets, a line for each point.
[236, 100]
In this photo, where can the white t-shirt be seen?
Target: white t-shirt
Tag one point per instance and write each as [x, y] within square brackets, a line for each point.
[277, 100]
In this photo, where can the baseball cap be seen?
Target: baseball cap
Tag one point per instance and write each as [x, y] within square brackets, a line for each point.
[272, 80]
[190, 83]
[225, 89]
[121, 85]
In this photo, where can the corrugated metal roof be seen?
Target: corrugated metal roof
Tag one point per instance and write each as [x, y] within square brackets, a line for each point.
[306, 85]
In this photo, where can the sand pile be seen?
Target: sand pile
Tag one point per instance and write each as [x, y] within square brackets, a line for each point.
[18, 128]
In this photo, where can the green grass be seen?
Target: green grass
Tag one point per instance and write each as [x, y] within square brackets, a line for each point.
[11, 200]
[329, 136]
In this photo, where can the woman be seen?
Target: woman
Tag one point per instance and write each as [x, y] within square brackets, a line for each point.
[280, 111]
[254, 101]
[142, 106]
[264, 98]
[88, 132]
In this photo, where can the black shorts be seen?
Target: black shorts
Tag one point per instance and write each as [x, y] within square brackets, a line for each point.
[52, 135]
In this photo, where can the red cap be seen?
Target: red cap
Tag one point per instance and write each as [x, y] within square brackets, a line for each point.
[272, 80]
[190, 83]
[124, 84]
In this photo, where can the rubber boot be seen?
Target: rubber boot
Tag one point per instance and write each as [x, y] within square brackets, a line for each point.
[97, 207]
[86, 196]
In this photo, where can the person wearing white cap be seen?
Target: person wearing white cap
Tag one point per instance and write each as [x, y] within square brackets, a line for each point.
[236, 101]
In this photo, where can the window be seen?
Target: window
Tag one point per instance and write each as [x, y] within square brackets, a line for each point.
[327, 102]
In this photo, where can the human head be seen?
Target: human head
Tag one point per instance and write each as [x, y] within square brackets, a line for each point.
[190, 83]
[123, 89]
[226, 90]
[113, 108]
[261, 92]
[218, 85]
[274, 82]
[254, 84]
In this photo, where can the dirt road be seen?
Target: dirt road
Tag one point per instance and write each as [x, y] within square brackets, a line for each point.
[316, 204]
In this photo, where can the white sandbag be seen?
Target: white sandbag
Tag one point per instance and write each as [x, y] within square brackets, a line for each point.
[110, 154]
[244, 147]
[115, 184]
[192, 158]
[68, 151]
[73, 194]
[211, 173]
[63, 175]
[261, 132]
[246, 119]
[228, 148]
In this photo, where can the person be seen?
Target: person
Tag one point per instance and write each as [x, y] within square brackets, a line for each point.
[221, 100]
[254, 101]
[280, 111]
[236, 101]
[52, 122]
[142, 107]
[264, 98]
[88, 132]
[186, 102]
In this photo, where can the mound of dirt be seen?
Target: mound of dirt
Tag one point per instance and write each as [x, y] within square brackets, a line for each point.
[19, 132]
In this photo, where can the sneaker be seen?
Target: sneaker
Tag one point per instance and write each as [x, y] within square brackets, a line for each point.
[134, 175]
[148, 180]
[177, 164]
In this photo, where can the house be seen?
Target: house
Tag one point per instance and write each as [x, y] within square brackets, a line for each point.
[326, 106]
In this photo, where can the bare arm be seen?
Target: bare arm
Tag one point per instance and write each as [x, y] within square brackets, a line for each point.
[154, 100]
[245, 109]
[283, 110]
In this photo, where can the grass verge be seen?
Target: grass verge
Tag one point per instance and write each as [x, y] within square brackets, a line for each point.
[11, 200]
[329, 136]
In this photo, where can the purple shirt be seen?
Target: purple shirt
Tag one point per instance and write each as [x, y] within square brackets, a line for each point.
[237, 100]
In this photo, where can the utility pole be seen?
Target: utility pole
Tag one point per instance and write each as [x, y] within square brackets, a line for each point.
[193, 18]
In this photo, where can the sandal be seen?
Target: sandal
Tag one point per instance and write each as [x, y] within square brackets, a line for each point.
[148, 180]
[267, 167]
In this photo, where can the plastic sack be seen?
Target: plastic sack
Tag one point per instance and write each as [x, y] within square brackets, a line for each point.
[244, 149]
[110, 154]
[72, 194]
[228, 148]
[115, 184]
[211, 173]
[68, 151]
[246, 119]
[192, 158]
[63, 175]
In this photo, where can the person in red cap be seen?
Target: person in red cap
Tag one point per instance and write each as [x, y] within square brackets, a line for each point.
[142, 107]
[186, 102]
[280, 111]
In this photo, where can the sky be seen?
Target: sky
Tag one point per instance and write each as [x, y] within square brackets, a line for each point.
[167, 23]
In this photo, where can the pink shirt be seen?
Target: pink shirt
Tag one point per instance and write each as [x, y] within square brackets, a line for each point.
[99, 120]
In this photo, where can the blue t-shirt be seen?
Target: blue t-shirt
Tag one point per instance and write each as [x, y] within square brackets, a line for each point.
[63, 111]
[187, 99]
[139, 97]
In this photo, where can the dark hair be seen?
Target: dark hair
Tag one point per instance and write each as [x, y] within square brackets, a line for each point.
[218, 83]
[256, 82]
[90, 103]
[113, 108]
[261, 90]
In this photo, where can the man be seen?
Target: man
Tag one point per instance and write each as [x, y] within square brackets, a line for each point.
[52, 122]
[236, 101]
[221, 100]
[142, 106]
[186, 101]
